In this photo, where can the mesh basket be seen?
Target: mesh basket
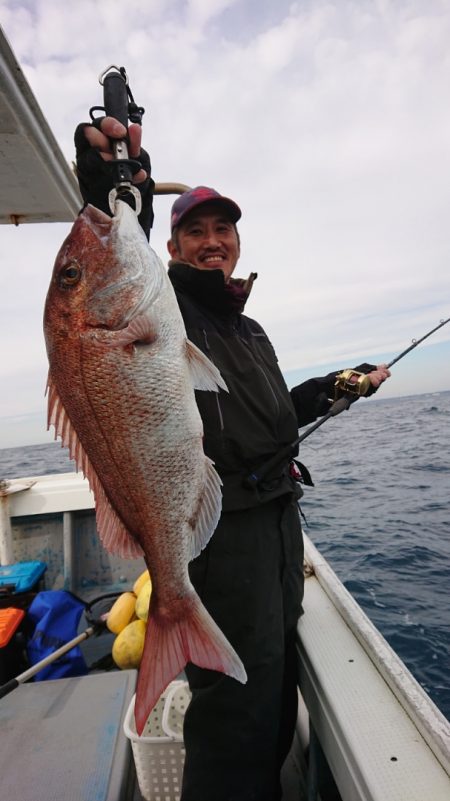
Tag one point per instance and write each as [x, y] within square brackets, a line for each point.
[159, 751]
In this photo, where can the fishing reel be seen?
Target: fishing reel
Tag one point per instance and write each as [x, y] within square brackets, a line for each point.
[350, 382]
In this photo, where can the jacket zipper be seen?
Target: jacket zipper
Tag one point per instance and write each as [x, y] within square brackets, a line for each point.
[261, 369]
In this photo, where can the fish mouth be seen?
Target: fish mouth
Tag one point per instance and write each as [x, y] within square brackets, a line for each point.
[96, 218]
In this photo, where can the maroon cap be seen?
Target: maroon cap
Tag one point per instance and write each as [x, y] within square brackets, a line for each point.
[195, 197]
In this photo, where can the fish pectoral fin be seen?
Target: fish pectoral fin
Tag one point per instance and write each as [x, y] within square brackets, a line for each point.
[113, 534]
[141, 330]
[206, 516]
[204, 374]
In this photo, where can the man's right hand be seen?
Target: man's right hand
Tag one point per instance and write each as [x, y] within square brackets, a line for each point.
[110, 128]
[93, 152]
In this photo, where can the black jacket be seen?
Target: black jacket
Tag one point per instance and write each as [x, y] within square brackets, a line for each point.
[257, 417]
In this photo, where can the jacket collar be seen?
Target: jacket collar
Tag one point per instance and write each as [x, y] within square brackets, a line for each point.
[209, 287]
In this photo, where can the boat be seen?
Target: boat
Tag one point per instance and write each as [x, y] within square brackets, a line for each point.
[366, 729]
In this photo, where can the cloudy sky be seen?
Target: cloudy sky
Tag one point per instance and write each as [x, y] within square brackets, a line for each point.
[328, 122]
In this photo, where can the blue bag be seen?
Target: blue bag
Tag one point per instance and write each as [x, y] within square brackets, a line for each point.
[54, 616]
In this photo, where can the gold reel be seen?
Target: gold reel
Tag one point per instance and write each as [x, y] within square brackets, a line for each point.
[351, 382]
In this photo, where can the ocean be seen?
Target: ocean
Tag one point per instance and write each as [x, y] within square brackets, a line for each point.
[379, 512]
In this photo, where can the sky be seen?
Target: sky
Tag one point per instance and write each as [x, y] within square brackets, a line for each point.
[328, 123]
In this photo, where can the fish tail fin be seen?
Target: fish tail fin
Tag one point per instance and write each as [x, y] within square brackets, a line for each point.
[195, 637]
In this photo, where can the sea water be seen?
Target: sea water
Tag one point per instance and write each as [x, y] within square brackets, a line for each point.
[379, 512]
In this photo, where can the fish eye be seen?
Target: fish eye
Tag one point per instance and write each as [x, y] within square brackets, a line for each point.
[70, 274]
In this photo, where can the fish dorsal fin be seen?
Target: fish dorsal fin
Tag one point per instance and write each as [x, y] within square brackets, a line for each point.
[207, 514]
[113, 534]
[204, 373]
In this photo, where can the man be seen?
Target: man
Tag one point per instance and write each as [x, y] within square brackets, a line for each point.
[250, 575]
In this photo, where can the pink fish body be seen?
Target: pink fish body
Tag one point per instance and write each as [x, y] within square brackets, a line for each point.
[121, 396]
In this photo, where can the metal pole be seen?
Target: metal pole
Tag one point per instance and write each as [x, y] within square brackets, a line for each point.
[69, 579]
[11, 685]
[6, 542]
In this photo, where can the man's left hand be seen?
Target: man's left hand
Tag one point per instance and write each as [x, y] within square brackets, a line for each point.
[379, 375]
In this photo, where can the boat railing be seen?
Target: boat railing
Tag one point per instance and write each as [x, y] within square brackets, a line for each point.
[381, 734]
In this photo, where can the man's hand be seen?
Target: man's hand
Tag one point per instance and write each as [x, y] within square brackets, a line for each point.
[94, 173]
[112, 129]
[375, 373]
[379, 375]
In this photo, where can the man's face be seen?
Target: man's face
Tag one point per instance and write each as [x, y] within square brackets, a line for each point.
[207, 240]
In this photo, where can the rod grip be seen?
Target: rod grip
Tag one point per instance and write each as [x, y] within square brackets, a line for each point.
[115, 97]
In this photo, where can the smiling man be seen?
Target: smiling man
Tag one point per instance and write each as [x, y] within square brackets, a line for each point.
[250, 575]
[204, 230]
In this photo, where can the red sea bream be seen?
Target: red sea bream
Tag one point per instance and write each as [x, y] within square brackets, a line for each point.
[121, 397]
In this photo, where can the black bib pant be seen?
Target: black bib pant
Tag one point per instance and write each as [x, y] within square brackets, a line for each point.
[250, 578]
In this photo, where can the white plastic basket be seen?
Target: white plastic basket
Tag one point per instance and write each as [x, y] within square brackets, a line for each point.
[159, 751]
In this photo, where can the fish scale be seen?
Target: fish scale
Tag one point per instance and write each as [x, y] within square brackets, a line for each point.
[121, 386]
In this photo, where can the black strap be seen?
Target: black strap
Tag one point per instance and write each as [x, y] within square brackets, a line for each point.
[304, 472]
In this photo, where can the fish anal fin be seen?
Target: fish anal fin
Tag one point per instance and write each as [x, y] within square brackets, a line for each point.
[169, 646]
[114, 535]
[206, 516]
[204, 374]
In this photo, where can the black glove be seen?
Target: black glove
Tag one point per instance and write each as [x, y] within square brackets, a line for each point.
[95, 177]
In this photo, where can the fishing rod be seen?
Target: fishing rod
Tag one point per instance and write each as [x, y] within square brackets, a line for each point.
[350, 385]
[354, 383]
[416, 342]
